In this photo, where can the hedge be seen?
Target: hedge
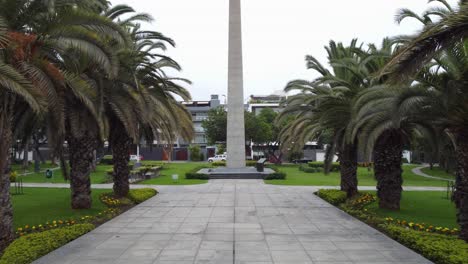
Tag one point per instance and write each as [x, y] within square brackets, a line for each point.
[196, 176]
[107, 159]
[308, 169]
[276, 176]
[248, 163]
[441, 249]
[334, 197]
[335, 166]
[28, 248]
[141, 195]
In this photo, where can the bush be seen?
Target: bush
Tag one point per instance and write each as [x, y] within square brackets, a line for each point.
[335, 166]
[441, 249]
[141, 195]
[13, 176]
[28, 248]
[404, 160]
[365, 164]
[308, 169]
[107, 159]
[276, 176]
[219, 164]
[196, 176]
[332, 196]
[251, 163]
[195, 153]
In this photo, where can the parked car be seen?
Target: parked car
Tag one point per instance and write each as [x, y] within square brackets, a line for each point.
[218, 158]
[135, 158]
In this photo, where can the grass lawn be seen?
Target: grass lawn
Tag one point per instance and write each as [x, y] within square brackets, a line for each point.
[427, 207]
[180, 169]
[99, 176]
[438, 172]
[19, 167]
[39, 205]
[365, 178]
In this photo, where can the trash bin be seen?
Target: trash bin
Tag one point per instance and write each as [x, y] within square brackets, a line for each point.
[261, 165]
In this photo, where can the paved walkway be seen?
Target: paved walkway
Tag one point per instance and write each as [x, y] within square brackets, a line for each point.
[418, 171]
[233, 221]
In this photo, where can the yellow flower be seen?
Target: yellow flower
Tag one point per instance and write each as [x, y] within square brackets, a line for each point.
[20, 229]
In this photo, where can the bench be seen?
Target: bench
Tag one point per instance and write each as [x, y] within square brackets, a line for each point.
[261, 165]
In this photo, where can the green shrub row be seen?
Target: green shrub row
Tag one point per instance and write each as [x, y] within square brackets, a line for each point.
[307, 169]
[276, 176]
[141, 195]
[441, 249]
[248, 163]
[196, 176]
[332, 196]
[28, 248]
[335, 166]
[107, 159]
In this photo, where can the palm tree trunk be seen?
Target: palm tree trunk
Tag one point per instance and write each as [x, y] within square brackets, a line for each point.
[461, 194]
[81, 158]
[348, 164]
[6, 210]
[388, 151]
[120, 143]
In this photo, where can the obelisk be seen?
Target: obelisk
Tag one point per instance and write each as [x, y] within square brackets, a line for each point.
[235, 105]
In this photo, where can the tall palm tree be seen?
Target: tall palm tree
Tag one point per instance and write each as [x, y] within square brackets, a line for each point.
[325, 105]
[441, 44]
[140, 100]
[16, 93]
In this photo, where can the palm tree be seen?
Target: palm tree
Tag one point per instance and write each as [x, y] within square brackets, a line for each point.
[16, 93]
[140, 98]
[439, 54]
[325, 105]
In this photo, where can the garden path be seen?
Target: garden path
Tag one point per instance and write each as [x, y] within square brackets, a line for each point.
[418, 171]
[233, 221]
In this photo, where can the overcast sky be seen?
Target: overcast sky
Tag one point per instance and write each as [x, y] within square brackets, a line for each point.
[277, 36]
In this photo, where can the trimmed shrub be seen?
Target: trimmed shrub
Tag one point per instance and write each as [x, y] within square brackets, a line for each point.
[308, 169]
[365, 164]
[196, 176]
[335, 166]
[276, 176]
[219, 164]
[251, 163]
[141, 195]
[13, 176]
[107, 159]
[441, 249]
[332, 196]
[28, 248]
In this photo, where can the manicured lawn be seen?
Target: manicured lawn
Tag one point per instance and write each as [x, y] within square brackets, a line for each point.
[19, 168]
[365, 178]
[99, 176]
[438, 172]
[180, 169]
[39, 205]
[432, 208]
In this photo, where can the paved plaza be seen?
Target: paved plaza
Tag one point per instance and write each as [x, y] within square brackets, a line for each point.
[233, 221]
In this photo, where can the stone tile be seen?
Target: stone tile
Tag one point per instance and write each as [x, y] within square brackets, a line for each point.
[327, 256]
[290, 256]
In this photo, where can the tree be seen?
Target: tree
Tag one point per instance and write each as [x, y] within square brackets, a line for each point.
[325, 104]
[438, 55]
[215, 125]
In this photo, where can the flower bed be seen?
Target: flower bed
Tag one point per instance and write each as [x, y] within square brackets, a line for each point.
[439, 244]
[28, 248]
[34, 241]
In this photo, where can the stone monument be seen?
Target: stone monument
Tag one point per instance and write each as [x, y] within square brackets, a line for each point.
[235, 104]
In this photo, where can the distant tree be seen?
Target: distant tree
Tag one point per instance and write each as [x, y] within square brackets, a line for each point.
[215, 126]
